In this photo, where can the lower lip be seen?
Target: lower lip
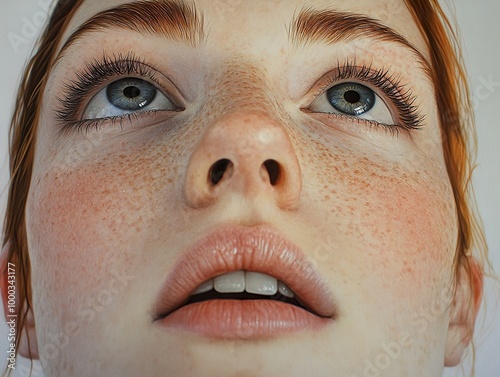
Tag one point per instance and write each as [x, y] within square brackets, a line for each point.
[242, 319]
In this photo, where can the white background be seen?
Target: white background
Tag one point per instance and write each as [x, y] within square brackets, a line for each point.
[480, 28]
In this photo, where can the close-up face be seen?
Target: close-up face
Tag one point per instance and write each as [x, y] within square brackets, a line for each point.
[285, 156]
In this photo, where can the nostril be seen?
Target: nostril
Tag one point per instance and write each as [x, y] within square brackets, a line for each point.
[273, 169]
[218, 169]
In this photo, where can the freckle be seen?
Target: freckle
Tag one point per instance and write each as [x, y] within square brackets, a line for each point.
[409, 270]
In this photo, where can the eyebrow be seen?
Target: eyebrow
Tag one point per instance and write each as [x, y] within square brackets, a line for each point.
[176, 20]
[328, 26]
[173, 19]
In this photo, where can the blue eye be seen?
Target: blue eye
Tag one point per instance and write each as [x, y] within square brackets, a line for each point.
[130, 94]
[351, 98]
[126, 96]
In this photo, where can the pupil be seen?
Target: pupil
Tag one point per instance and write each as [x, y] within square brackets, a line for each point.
[351, 96]
[132, 92]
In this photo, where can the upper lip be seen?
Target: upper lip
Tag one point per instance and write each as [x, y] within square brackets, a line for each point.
[257, 248]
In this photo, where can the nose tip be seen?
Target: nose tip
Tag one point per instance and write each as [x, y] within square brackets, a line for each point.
[244, 154]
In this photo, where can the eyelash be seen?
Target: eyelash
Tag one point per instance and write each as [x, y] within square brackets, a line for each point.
[391, 86]
[99, 71]
[90, 78]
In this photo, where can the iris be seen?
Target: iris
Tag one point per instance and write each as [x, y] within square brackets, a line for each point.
[351, 98]
[130, 94]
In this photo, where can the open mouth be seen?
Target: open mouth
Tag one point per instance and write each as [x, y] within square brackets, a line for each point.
[244, 283]
[214, 295]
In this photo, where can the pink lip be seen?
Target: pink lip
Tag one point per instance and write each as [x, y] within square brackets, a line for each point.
[231, 248]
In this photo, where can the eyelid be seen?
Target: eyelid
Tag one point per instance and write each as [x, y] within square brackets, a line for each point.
[155, 83]
[388, 86]
[378, 93]
[332, 78]
[97, 74]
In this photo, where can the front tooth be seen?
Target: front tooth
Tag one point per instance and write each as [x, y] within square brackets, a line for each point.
[205, 287]
[284, 290]
[232, 282]
[261, 284]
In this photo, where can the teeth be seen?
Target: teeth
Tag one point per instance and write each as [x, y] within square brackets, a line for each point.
[284, 290]
[232, 282]
[205, 287]
[249, 281]
[260, 284]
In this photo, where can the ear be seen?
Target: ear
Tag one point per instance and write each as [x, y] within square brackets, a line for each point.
[464, 309]
[28, 349]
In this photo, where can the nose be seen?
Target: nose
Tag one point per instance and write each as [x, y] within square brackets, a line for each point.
[247, 154]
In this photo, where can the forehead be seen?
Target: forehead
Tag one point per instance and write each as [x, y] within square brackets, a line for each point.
[240, 23]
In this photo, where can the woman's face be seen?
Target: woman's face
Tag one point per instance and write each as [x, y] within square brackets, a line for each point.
[324, 131]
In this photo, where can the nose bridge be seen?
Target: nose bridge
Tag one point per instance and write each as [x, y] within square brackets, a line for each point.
[248, 153]
[242, 85]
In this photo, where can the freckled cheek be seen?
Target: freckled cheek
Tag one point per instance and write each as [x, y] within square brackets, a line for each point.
[409, 233]
[388, 228]
[83, 224]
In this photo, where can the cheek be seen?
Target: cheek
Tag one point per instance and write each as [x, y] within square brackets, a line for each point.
[87, 223]
[409, 230]
[389, 226]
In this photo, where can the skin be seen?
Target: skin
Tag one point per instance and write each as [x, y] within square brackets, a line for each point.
[111, 210]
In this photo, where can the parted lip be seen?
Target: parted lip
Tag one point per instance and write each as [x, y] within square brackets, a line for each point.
[259, 248]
